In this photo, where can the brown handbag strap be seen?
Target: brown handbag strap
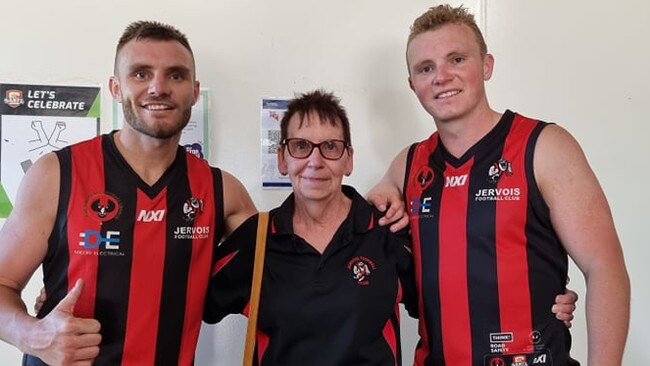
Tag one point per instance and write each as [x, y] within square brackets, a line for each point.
[256, 286]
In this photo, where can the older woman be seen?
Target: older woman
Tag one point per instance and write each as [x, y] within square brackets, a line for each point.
[333, 278]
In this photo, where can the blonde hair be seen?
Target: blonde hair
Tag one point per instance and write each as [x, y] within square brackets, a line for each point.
[440, 15]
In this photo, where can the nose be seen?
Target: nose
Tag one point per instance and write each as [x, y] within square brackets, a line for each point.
[442, 75]
[315, 158]
[159, 85]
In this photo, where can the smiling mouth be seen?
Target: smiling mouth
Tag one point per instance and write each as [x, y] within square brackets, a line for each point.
[447, 94]
[157, 107]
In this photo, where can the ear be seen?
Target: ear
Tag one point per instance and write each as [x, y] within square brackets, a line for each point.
[488, 66]
[114, 87]
[282, 163]
[411, 84]
[349, 165]
[197, 91]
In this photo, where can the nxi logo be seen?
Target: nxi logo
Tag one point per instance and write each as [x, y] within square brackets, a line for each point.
[456, 180]
[151, 215]
[93, 239]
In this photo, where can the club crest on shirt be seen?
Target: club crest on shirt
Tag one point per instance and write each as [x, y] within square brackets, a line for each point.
[424, 177]
[497, 361]
[498, 169]
[192, 208]
[102, 207]
[361, 268]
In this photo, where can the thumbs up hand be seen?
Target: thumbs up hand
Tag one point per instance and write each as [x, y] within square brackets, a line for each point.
[62, 339]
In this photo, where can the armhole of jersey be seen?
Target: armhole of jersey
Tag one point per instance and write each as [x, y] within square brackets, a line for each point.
[536, 199]
[409, 161]
[220, 223]
[65, 183]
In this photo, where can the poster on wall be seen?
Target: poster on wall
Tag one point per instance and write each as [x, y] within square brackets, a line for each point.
[195, 135]
[272, 112]
[37, 119]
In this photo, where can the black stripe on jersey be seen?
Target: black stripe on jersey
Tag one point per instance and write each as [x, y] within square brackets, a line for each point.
[178, 254]
[217, 181]
[484, 310]
[114, 272]
[55, 263]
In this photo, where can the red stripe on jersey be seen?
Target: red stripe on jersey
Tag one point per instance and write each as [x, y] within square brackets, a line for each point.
[147, 260]
[454, 303]
[201, 185]
[223, 262]
[512, 263]
[246, 309]
[262, 344]
[389, 335]
[90, 165]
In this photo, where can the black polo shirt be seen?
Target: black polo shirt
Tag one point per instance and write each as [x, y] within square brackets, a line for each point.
[338, 308]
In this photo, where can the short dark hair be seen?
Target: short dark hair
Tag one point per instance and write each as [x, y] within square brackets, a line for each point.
[325, 104]
[145, 29]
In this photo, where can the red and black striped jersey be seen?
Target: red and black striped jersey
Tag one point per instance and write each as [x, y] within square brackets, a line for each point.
[488, 262]
[144, 252]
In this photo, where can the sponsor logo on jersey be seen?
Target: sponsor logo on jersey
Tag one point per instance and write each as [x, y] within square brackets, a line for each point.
[498, 194]
[102, 207]
[191, 232]
[424, 177]
[94, 243]
[501, 337]
[498, 342]
[455, 181]
[192, 208]
[498, 170]
[14, 98]
[540, 360]
[420, 207]
[361, 268]
[151, 215]
[519, 360]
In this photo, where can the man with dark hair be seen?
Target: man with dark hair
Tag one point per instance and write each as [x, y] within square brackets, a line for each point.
[124, 224]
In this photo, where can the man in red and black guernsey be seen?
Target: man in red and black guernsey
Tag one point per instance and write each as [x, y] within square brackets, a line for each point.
[124, 225]
[492, 221]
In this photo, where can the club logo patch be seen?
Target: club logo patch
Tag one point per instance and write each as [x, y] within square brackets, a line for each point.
[424, 177]
[498, 169]
[361, 268]
[102, 207]
[192, 208]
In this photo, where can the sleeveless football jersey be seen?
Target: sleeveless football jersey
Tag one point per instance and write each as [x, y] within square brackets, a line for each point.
[488, 263]
[144, 252]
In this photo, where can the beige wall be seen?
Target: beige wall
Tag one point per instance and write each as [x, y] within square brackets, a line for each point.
[583, 64]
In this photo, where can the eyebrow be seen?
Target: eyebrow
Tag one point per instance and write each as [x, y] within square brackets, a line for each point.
[172, 69]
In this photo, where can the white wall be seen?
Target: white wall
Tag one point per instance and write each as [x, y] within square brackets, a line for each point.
[583, 64]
